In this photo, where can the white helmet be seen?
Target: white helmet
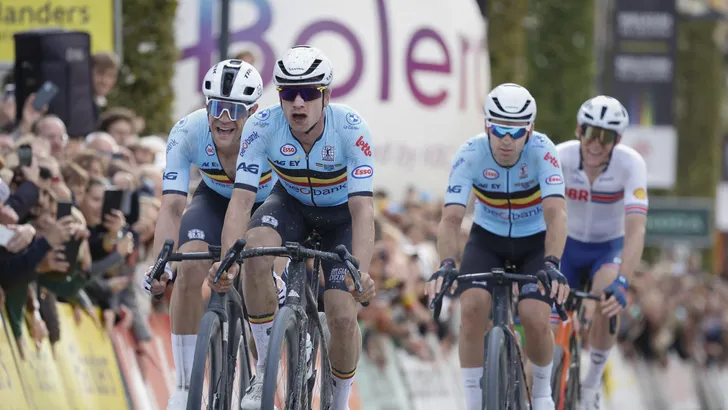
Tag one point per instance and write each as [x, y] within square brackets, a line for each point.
[303, 65]
[510, 102]
[604, 112]
[233, 80]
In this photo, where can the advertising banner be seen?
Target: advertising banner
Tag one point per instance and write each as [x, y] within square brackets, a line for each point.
[94, 16]
[643, 78]
[416, 70]
[11, 387]
[86, 361]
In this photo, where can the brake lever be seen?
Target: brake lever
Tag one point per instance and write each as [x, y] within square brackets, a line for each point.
[354, 273]
[159, 265]
[230, 258]
[613, 319]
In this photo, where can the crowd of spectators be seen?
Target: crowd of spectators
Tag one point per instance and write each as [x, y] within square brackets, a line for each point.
[84, 258]
[676, 308]
[95, 261]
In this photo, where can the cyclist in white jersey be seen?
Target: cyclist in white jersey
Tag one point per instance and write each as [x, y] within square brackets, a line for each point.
[210, 139]
[606, 194]
[322, 155]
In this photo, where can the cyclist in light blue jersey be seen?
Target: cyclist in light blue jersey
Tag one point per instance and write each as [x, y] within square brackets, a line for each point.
[520, 218]
[323, 156]
[210, 139]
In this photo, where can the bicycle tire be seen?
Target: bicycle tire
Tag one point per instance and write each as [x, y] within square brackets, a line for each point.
[238, 358]
[495, 370]
[209, 341]
[326, 388]
[573, 386]
[285, 327]
[556, 372]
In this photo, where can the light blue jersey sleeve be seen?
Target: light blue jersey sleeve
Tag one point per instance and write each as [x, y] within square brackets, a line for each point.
[460, 182]
[252, 159]
[550, 174]
[358, 146]
[180, 155]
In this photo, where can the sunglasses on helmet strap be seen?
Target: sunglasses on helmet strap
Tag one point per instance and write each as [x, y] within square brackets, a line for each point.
[306, 93]
[235, 110]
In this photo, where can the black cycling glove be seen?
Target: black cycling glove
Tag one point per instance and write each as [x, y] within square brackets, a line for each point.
[550, 272]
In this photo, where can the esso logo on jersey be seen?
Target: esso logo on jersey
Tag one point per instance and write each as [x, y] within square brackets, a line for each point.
[490, 173]
[288, 150]
[209, 150]
[362, 171]
[555, 179]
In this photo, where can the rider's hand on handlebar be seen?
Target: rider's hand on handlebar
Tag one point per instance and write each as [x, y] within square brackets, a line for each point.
[157, 286]
[447, 269]
[367, 285]
[617, 300]
[226, 279]
[559, 284]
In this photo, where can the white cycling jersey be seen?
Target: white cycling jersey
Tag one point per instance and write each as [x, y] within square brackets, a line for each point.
[596, 212]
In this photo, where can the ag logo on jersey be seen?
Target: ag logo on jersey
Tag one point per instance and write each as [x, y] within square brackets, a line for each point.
[490, 173]
[209, 150]
[362, 171]
[353, 118]
[288, 150]
[639, 193]
[555, 179]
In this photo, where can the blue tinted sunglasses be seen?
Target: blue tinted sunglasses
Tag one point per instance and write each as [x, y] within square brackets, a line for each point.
[501, 131]
[235, 110]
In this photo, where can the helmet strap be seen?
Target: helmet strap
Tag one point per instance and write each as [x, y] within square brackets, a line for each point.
[323, 107]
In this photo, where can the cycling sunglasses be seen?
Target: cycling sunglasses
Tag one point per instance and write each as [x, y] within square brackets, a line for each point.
[501, 131]
[306, 93]
[235, 110]
[604, 136]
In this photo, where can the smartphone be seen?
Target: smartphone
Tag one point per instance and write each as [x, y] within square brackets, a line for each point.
[112, 200]
[25, 155]
[9, 92]
[45, 95]
[6, 234]
[71, 253]
[64, 209]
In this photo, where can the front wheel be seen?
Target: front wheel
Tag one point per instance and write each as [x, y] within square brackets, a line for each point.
[557, 373]
[573, 386]
[206, 384]
[495, 370]
[283, 392]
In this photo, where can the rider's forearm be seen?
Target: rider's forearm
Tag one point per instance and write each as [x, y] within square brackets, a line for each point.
[447, 238]
[167, 227]
[555, 232]
[634, 242]
[236, 221]
[362, 233]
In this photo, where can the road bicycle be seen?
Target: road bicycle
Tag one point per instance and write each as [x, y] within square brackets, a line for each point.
[566, 373]
[299, 335]
[222, 337]
[504, 383]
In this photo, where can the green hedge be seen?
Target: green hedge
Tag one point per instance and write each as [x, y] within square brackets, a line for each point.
[560, 63]
[150, 54]
[507, 40]
[700, 91]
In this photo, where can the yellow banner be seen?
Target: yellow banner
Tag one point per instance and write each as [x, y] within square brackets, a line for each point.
[11, 388]
[93, 16]
[87, 362]
[43, 382]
